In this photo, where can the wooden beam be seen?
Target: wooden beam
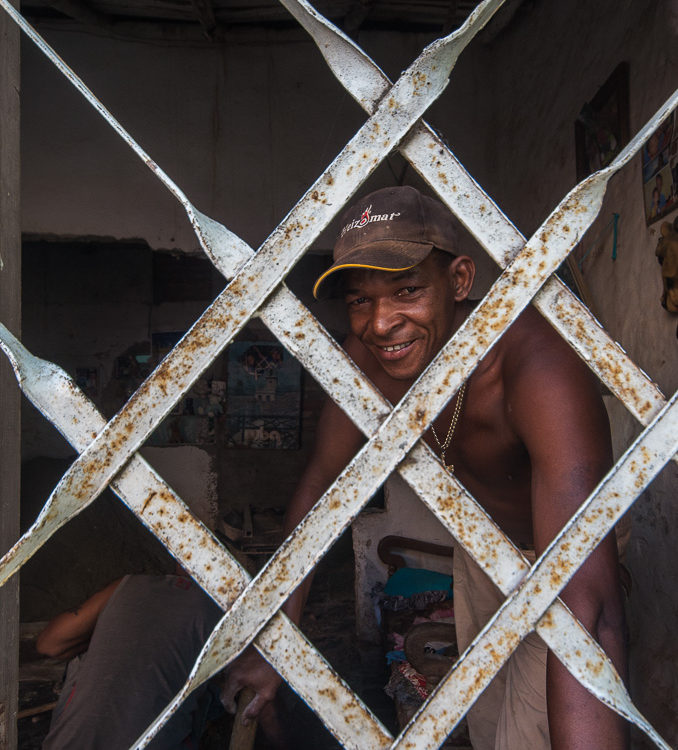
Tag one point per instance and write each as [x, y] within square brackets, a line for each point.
[10, 426]
[205, 13]
[79, 11]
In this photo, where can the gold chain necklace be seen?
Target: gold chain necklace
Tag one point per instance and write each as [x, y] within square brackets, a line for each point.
[450, 431]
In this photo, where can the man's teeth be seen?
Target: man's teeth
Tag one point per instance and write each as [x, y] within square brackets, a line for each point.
[396, 347]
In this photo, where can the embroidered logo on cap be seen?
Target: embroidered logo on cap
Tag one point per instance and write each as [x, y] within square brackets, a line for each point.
[367, 218]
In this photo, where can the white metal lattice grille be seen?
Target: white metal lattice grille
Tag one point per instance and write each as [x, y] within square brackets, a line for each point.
[108, 450]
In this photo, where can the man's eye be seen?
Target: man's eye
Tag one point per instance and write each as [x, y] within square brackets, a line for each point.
[357, 301]
[407, 290]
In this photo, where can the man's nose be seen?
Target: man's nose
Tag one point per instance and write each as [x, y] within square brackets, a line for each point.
[385, 317]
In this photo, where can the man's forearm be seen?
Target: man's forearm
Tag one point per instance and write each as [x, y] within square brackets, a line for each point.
[577, 719]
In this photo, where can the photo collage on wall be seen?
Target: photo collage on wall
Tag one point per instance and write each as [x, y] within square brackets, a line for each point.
[660, 171]
[264, 396]
[251, 398]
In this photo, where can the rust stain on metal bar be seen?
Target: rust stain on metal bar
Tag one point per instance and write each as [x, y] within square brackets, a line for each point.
[553, 570]
[358, 74]
[52, 391]
[419, 83]
[505, 300]
[457, 510]
[418, 86]
[378, 458]
[366, 82]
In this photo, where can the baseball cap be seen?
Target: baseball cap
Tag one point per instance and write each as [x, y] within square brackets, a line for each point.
[391, 229]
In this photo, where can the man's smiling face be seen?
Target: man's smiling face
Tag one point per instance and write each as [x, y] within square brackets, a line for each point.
[403, 317]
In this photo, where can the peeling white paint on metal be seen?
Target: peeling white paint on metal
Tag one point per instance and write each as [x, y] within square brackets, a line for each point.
[434, 161]
[565, 636]
[519, 614]
[456, 509]
[466, 520]
[367, 83]
[378, 458]
[416, 89]
[423, 81]
[156, 505]
[359, 75]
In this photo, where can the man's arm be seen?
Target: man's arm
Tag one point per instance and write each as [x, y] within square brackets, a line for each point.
[337, 440]
[68, 633]
[553, 404]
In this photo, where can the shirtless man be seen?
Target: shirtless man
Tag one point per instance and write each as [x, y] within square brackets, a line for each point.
[530, 443]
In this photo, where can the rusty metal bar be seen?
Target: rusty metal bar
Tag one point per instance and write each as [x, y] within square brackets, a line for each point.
[434, 161]
[508, 297]
[226, 238]
[439, 167]
[448, 500]
[158, 507]
[417, 87]
[503, 303]
[458, 511]
[470, 525]
[526, 606]
[227, 259]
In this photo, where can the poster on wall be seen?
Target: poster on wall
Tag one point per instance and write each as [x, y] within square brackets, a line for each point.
[264, 396]
[660, 171]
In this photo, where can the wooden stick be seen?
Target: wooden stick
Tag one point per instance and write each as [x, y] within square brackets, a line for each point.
[242, 737]
[36, 710]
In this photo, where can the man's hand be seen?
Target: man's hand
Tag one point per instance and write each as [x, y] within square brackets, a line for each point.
[250, 670]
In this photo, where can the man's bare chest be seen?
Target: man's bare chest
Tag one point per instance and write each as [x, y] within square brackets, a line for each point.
[488, 456]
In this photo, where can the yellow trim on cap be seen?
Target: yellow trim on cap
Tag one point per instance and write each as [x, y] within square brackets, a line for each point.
[354, 265]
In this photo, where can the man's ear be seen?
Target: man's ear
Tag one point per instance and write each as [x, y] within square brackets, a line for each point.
[462, 271]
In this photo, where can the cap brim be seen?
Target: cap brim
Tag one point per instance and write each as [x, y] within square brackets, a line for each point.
[379, 256]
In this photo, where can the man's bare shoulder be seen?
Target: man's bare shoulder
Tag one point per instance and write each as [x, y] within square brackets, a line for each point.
[532, 343]
[541, 373]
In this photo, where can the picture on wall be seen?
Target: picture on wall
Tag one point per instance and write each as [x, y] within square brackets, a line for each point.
[264, 396]
[602, 127]
[660, 171]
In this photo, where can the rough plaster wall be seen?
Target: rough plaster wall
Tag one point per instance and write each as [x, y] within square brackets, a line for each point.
[244, 129]
[537, 98]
